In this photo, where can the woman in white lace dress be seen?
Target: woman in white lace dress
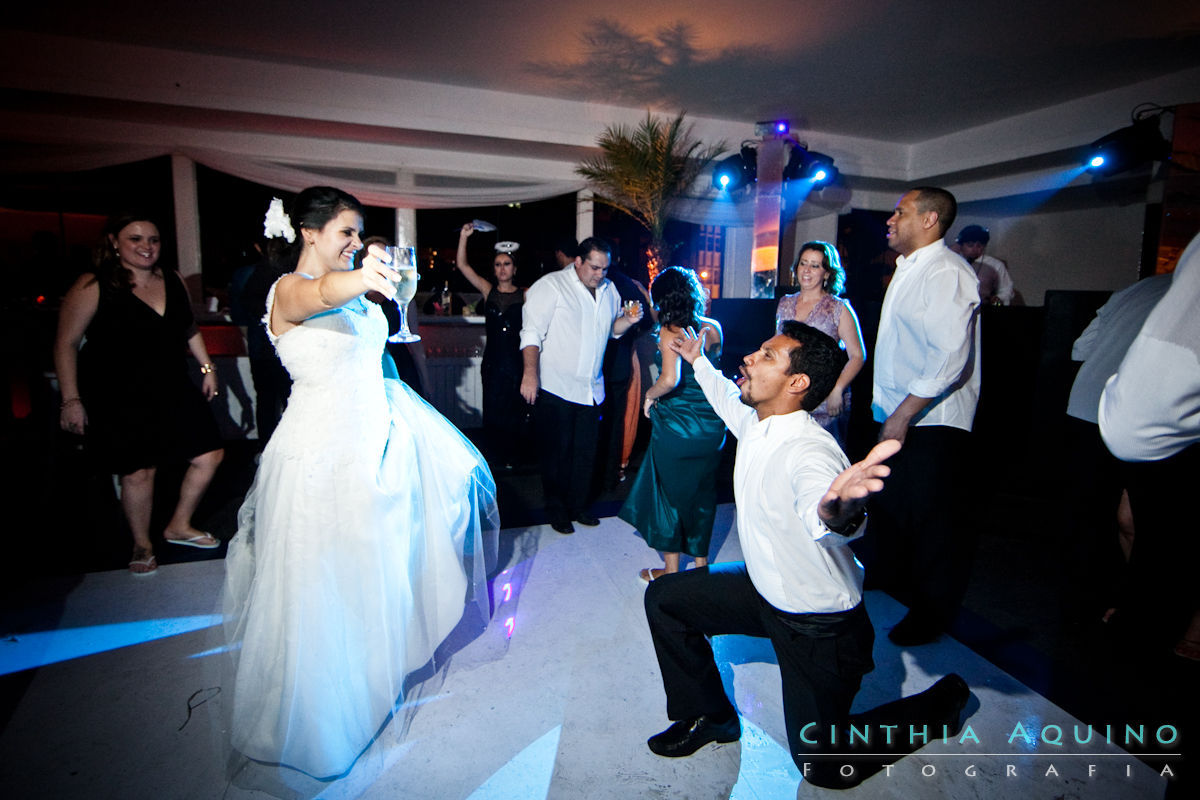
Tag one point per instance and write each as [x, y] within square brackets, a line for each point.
[366, 532]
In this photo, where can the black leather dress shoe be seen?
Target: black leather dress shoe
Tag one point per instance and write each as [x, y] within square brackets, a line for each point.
[951, 694]
[689, 735]
[563, 527]
[584, 518]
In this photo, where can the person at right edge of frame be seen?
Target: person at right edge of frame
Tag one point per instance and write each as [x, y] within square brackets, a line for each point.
[925, 391]
[799, 504]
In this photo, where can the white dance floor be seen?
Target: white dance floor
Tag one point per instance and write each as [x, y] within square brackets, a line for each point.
[554, 700]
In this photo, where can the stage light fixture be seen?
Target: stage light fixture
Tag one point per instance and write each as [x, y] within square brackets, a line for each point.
[1127, 147]
[736, 171]
[777, 127]
[807, 165]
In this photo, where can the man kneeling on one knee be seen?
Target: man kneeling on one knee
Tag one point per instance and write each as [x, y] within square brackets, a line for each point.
[799, 504]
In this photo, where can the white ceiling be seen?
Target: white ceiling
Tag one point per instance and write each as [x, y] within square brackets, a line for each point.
[898, 78]
[879, 69]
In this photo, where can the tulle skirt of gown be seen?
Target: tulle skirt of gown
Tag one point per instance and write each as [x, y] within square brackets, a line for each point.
[357, 552]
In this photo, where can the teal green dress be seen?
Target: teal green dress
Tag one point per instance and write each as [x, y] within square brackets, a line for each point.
[672, 501]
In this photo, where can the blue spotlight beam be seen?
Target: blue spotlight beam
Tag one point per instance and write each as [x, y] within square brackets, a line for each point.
[30, 650]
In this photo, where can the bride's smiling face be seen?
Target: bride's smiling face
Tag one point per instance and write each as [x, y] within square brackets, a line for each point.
[334, 245]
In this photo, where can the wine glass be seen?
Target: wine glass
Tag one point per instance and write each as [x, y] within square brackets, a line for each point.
[404, 261]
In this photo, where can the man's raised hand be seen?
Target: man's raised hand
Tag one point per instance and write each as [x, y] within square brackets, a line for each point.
[689, 344]
[849, 491]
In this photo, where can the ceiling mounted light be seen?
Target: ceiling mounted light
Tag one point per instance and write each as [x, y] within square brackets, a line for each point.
[736, 171]
[815, 168]
[772, 127]
[1129, 147]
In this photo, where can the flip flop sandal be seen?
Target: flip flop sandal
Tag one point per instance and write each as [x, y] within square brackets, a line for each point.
[647, 574]
[149, 562]
[194, 541]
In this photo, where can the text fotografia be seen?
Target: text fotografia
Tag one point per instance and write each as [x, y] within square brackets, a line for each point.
[1075, 769]
[1040, 760]
[1051, 735]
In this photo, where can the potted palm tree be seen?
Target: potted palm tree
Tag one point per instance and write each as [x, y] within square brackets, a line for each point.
[641, 170]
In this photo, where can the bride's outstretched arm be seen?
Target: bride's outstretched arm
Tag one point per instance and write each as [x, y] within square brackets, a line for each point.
[298, 296]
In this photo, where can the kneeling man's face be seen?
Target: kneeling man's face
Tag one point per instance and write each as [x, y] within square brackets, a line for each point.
[765, 371]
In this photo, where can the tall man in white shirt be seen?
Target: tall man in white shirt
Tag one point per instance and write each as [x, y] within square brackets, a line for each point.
[567, 319]
[1149, 416]
[926, 388]
[799, 503]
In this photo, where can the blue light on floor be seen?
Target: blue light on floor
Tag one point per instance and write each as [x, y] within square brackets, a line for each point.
[216, 651]
[526, 775]
[30, 650]
[766, 770]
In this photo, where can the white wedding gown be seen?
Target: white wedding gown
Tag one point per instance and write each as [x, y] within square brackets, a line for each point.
[366, 534]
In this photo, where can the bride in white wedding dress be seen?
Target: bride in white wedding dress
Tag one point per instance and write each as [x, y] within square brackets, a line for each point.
[368, 528]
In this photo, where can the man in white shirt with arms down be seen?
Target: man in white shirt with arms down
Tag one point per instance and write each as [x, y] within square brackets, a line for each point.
[926, 388]
[799, 504]
[567, 319]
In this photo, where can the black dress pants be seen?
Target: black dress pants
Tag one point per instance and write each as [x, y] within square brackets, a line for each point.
[1161, 592]
[1091, 557]
[822, 658]
[272, 386]
[567, 435]
[920, 541]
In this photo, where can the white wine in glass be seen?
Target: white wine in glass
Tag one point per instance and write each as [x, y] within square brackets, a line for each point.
[404, 261]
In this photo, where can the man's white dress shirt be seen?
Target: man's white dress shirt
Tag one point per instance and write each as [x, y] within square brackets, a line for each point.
[571, 328]
[928, 341]
[994, 280]
[1150, 409]
[783, 468]
[1107, 338]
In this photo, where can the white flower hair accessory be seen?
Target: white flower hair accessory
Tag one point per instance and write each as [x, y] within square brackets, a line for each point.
[278, 223]
[507, 247]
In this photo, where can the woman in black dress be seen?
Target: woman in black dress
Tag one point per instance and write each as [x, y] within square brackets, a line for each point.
[503, 406]
[128, 389]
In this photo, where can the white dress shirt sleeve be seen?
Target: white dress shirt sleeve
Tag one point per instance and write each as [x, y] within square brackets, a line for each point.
[1004, 283]
[536, 314]
[810, 477]
[951, 297]
[723, 395]
[1085, 345]
[1150, 409]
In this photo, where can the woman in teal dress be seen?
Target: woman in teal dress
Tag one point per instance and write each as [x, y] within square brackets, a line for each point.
[672, 501]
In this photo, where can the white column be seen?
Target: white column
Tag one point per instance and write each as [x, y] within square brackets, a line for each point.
[768, 204]
[585, 215]
[406, 227]
[735, 262]
[406, 218]
[187, 223]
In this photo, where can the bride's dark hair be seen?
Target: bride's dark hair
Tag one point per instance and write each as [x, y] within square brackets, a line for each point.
[312, 209]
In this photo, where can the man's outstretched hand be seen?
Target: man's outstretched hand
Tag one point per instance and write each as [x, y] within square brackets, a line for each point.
[847, 495]
[690, 344]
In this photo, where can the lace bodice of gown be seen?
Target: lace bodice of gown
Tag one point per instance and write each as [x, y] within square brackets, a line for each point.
[338, 403]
